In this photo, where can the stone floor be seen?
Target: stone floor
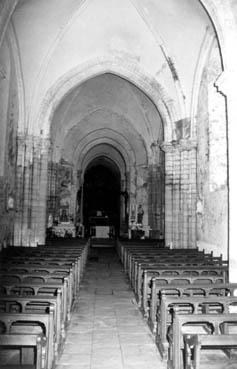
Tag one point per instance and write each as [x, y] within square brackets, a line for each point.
[107, 329]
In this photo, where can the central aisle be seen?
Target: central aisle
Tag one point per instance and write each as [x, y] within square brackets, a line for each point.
[107, 329]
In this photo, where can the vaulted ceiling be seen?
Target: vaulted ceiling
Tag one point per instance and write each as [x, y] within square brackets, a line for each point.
[161, 38]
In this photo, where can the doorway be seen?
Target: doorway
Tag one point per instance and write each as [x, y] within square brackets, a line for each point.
[101, 197]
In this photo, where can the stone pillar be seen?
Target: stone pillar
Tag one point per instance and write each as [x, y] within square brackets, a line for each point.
[52, 194]
[232, 119]
[79, 200]
[31, 193]
[169, 215]
[180, 193]
[156, 200]
[39, 191]
[226, 85]
[24, 177]
[73, 202]
[123, 199]
[19, 196]
[156, 194]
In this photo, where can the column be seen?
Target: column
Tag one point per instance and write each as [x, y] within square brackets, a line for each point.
[31, 192]
[24, 177]
[226, 85]
[180, 193]
[39, 191]
[169, 149]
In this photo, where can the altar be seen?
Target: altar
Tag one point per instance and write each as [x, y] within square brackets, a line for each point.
[101, 231]
[64, 230]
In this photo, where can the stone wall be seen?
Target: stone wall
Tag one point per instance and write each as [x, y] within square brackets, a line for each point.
[60, 190]
[31, 190]
[180, 193]
[156, 194]
[8, 132]
[212, 161]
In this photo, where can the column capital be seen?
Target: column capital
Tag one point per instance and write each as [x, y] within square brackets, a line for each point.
[31, 139]
[154, 158]
[178, 146]
[226, 84]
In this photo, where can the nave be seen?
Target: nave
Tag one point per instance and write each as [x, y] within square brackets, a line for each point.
[71, 305]
[107, 329]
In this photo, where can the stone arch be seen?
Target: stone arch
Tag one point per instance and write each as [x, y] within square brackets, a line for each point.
[116, 112]
[7, 9]
[109, 133]
[126, 152]
[219, 12]
[14, 48]
[203, 56]
[100, 151]
[129, 70]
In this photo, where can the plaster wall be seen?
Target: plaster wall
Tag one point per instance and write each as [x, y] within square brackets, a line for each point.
[233, 6]
[8, 132]
[156, 35]
[212, 162]
[111, 93]
[180, 26]
[109, 109]
[164, 39]
[4, 96]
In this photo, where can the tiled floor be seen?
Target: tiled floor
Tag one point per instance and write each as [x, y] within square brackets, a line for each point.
[107, 329]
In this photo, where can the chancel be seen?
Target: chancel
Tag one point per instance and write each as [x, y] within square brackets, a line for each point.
[118, 184]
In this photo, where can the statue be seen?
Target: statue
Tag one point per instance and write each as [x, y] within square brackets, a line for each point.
[64, 217]
[140, 213]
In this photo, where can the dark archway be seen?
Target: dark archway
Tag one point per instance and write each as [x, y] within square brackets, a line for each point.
[101, 195]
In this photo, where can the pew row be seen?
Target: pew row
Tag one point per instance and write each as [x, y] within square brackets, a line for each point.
[13, 341]
[33, 324]
[210, 325]
[188, 305]
[37, 289]
[194, 343]
[177, 289]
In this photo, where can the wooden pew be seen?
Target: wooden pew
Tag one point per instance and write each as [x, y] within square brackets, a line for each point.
[199, 271]
[37, 341]
[143, 261]
[176, 290]
[35, 304]
[22, 323]
[145, 272]
[62, 271]
[189, 305]
[181, 280]
[195, 324]
[124, 248]
[46, 261]
[153, 255]
[161, 255]
[41, 290]
[44, 281]
[78, 251]
[194, 343]
[23, 278]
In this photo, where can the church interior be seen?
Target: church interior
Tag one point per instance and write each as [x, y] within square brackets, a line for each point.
[118, 184]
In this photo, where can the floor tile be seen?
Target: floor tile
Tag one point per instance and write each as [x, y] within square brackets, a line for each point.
[107, 330]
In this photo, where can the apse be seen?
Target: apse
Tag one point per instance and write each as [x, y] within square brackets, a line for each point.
[105, 136]
[101, 195]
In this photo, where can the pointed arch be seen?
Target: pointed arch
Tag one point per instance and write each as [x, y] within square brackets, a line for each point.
[129, 70]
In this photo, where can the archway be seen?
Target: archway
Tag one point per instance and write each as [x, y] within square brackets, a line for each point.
[101, 198]
[109, 117]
